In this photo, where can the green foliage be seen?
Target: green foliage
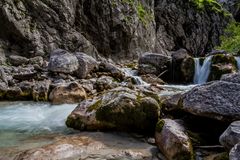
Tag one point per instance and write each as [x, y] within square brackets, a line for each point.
[211, 5]
[230, 41]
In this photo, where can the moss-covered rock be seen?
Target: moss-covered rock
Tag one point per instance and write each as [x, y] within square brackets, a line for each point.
[119, 109]
[222, 64]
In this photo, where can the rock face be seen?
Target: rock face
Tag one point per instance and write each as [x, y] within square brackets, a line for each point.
[181, 24]
[233, 7]
[67, 93]
[92, 146]
[114, 28]
[172, 140]
[118, 109]
[218, 100]
[231, 136]
[235, 152]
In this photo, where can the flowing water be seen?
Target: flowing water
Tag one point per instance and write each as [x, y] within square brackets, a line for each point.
[238, 62]
[202, 71]
[25, 125]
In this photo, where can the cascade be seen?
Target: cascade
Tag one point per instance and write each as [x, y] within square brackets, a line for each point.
[238, 62]
[202, 71]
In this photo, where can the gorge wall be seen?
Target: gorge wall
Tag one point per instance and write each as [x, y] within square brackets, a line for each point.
[117, 29]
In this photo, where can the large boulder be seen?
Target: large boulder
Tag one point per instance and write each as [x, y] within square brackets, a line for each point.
[18, 60]
[67, 93]
[173, 141]
[218, 100]
[222, 64]
[154, 63]
[186, 24]
[231, 136]
[235, 152]
[86, 64]
[234, 78]
[119, 109]
[182, 66]
[62, 61]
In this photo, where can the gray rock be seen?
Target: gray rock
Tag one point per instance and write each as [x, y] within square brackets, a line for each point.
[218, 100]
[36, 61]
[172, 140]
[235, 152]
[86, 64]
[232, 6]
[119, 109]
[234, 77]
[160, 62]
[41, 90]
[67, 93]
[95, 145]
[18, 60]
[62, 61]
[180, 24]
[231, 136]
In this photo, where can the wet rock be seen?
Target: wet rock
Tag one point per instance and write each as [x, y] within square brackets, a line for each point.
[217, 100]
[41, 90]
[18, 60]
[172, 140]
[62, 61]
[92, 146]
[67, 93]
[231, 136]
[86, 64]
[234, 77]
[220, 65]
[235, 152]
[27, 89]
[119, 109]
[153, 63]
[152, 79]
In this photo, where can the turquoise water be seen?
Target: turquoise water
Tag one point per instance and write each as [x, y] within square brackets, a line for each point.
[25, 125]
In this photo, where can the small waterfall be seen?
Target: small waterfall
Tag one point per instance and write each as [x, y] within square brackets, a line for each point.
[202, 71]
[238, 62]
[133, 73]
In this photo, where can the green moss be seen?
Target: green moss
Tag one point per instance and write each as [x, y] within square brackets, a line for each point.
[159, 125]
[94, 106]
[211, 5]
[144, 15]
[230, 41]
[74, 123]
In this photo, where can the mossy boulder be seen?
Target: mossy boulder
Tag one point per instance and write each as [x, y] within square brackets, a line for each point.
[222, 64]
[119, 109]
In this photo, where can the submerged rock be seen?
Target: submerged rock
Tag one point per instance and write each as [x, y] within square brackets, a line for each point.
[218, 100]
[173, 141]
[67, 93]
[231, 136]
[119, 109]
[92, 146]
